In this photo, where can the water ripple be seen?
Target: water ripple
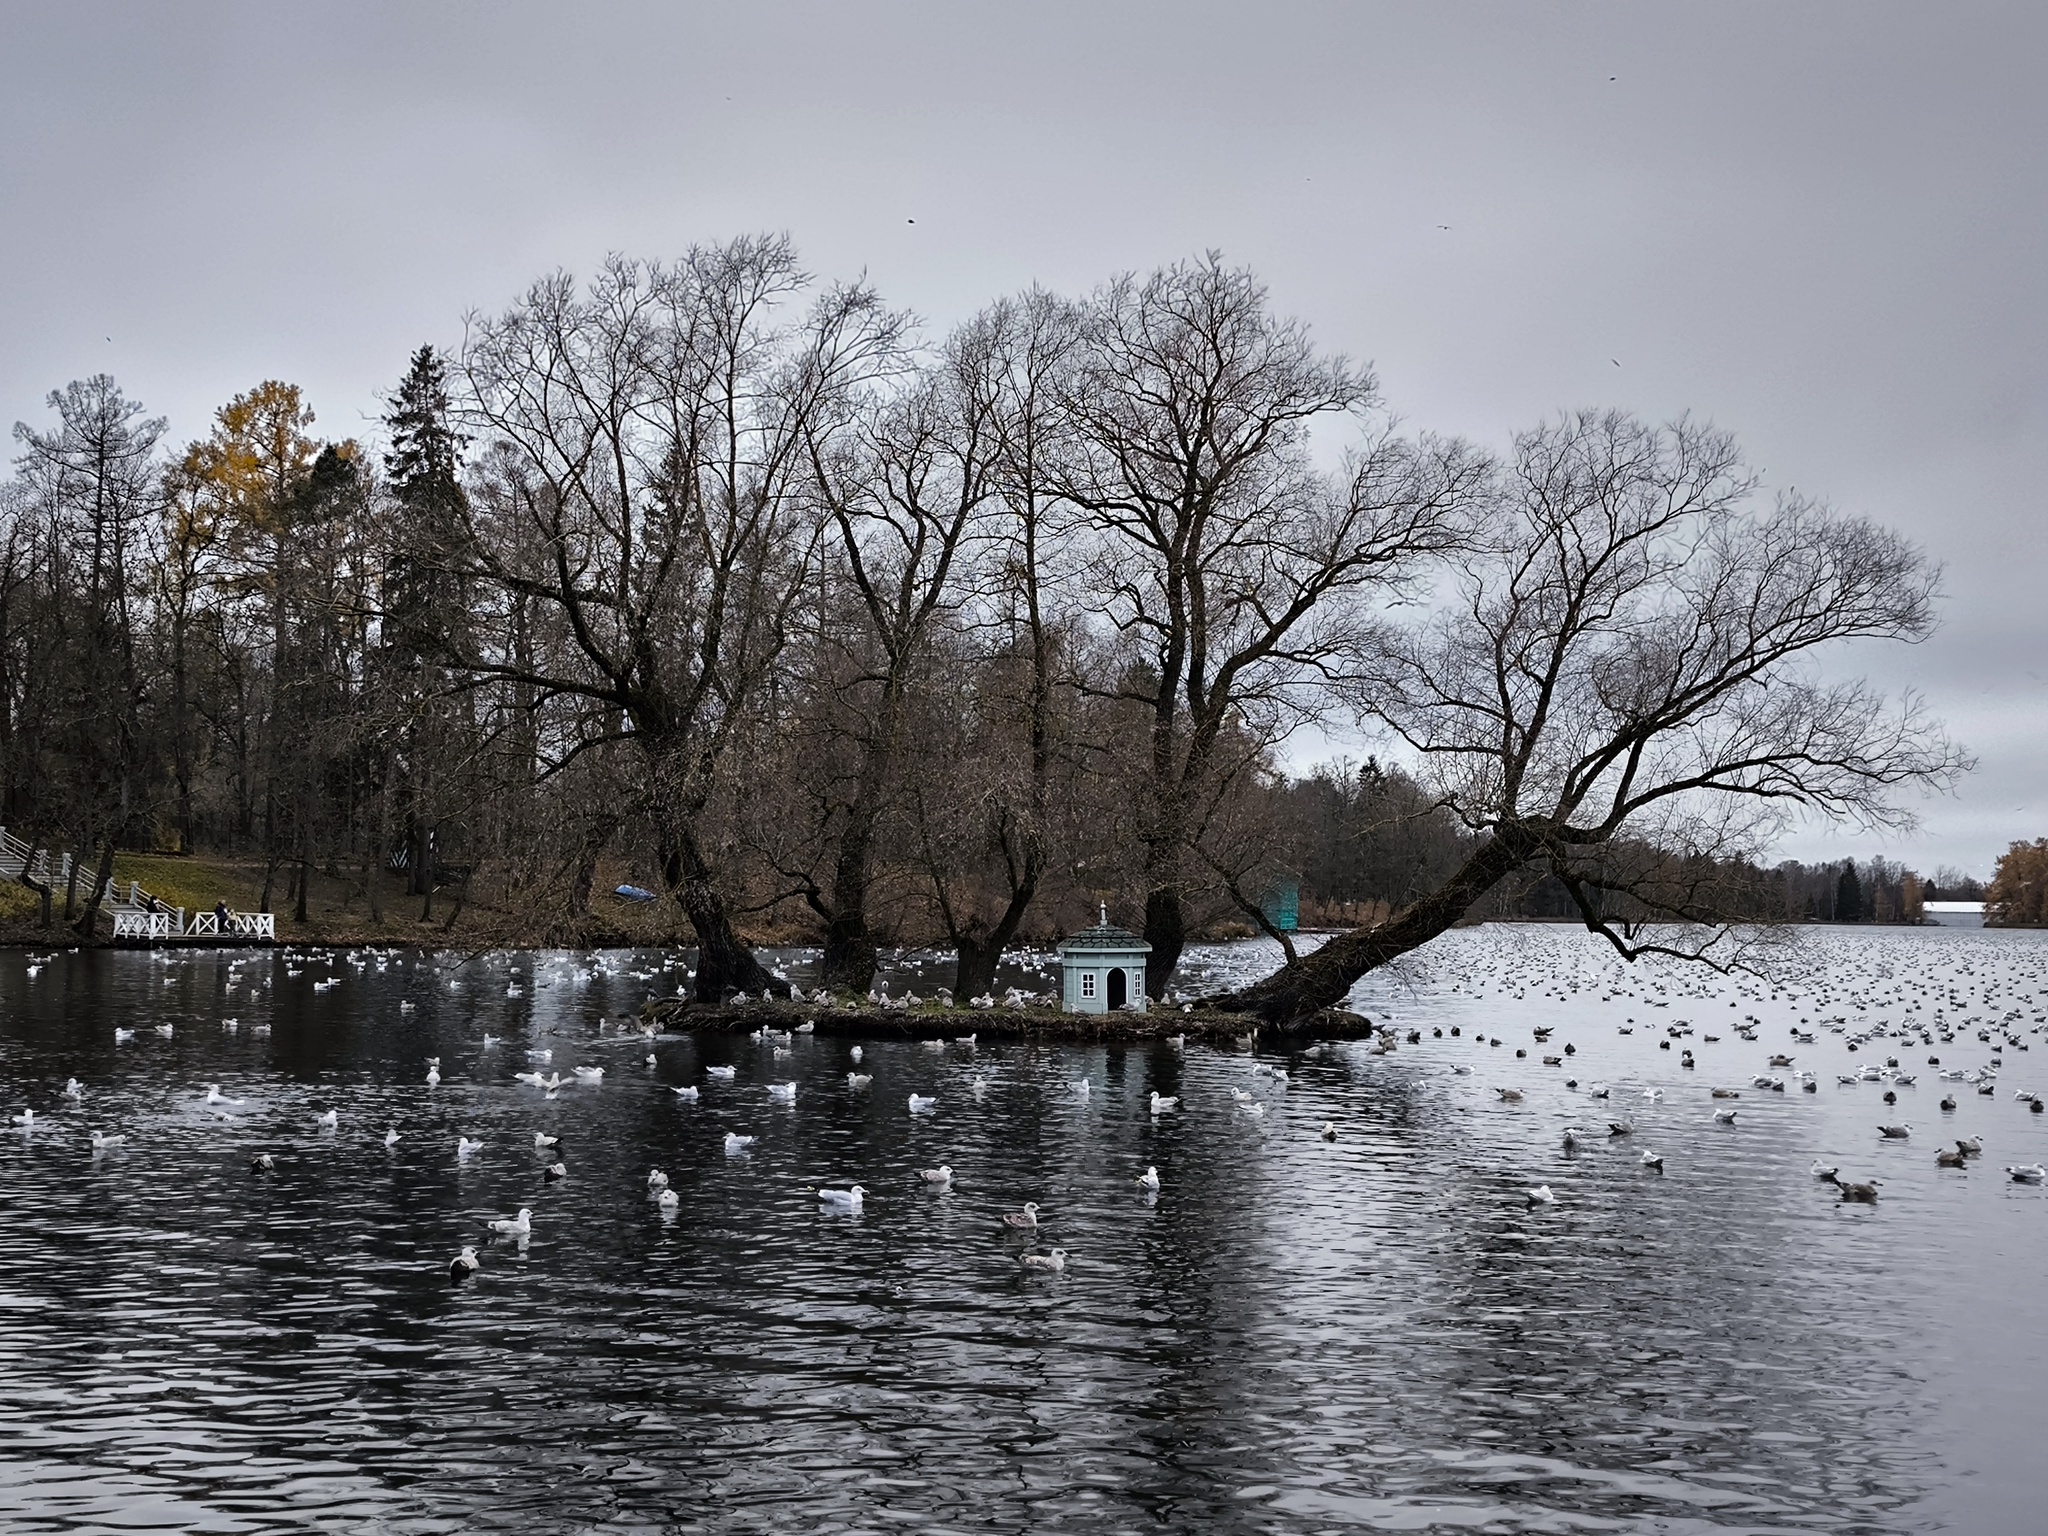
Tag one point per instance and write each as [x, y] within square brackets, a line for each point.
[1294, 1335]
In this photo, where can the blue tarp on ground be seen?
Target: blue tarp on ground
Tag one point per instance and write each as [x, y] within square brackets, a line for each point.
[632, 893]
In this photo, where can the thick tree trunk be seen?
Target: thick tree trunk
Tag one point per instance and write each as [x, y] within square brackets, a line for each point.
[422, 862]
[597, 836]
[724, 963]
[849, 958]
[42, 889]
[101, 877]
[71, 880]
[1321, 980]
[979, 953]
[1166, 930]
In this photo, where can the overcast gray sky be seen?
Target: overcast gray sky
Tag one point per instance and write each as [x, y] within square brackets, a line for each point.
[1820, 225]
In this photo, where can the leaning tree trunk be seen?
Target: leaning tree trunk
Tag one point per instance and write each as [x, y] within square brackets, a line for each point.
[724, 962]
[102, 878]
[1321, 980]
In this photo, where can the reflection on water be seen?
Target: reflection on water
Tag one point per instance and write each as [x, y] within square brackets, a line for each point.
[1371, 1333]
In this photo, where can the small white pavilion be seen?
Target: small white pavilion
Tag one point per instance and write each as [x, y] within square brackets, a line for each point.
[1103, 968]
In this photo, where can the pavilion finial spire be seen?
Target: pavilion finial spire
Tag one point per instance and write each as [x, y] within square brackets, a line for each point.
[1105, 914]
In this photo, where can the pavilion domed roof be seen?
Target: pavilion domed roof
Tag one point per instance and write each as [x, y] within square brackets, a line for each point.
[1104, 936]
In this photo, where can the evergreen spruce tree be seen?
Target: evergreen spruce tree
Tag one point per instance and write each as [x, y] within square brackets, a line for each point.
[422, 606]
[1848, 896]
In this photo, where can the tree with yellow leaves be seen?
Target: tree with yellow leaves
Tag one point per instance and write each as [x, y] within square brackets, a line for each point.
[258, 483]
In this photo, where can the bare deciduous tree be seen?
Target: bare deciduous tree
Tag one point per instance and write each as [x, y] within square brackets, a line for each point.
[648, 497]
[1234, 574]
[1632, 654]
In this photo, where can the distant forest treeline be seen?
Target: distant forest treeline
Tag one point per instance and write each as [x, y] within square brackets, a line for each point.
[812, 627]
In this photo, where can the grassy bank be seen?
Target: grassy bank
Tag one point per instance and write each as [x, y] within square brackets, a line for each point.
[496, 911]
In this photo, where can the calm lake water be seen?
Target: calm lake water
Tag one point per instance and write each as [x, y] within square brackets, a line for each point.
[1374, 1333]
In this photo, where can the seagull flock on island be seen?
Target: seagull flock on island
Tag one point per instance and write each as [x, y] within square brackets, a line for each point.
[1968, 1017]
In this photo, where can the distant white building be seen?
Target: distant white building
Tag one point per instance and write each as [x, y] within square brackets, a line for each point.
[1955, 914]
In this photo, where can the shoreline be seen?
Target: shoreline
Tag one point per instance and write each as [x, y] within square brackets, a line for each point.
[1008, 1025]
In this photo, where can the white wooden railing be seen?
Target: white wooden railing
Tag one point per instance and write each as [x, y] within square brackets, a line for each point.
[236, 925]
[132, 924]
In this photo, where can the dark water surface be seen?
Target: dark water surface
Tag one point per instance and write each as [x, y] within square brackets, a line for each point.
[1295, 1335]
